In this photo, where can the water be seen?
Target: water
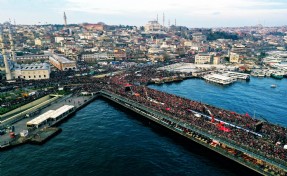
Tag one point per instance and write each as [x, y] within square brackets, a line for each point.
[102, 139]
[256, 97]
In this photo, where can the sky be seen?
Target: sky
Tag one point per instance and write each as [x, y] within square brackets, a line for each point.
[190, 13]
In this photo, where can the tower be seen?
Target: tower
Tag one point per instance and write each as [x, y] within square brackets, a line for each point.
[7, 68]
[156, 17]
[174, 22]
[12, 46]
[65, 19]
[163, 20]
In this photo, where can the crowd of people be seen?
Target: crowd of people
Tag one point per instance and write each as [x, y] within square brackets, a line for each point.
[131, 84]
[269, 143]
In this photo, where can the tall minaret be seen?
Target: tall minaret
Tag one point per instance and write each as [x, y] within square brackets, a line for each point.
[163, 19]
[156, 17]
[7, 68]
[12, 46]
[65, 19]
[174, 22]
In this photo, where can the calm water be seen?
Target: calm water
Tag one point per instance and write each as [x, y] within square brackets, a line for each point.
[255, 97]
[101, 139]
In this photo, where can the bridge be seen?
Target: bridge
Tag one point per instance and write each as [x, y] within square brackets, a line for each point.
[237, 151]
[244, 155]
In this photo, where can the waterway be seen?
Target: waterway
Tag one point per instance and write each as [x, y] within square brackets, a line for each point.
[103, 139]
[255, 97]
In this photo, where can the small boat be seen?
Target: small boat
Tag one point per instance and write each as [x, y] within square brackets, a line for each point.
[277, 75]
[273, 86]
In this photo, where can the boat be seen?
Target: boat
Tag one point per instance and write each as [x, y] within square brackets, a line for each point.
[261, 74]
[237, 75]
[219, 79]
[273, 86]
[277, 75]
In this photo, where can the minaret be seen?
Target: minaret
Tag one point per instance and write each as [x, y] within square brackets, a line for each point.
[65, 19]
[174, 22]
[12, 46]
[7, 68]
[156, 17]
[163, 20]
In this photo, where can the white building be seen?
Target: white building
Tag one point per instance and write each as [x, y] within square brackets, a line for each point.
[32, 71]
[234, 57]
[216, 60]
[152, 26]
[62, 63]
[59, 39]
[203, 58]
[93, 57]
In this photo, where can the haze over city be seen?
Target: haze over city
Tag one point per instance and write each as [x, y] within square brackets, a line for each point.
[191, 13]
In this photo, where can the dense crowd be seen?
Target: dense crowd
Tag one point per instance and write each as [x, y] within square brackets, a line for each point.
[131, 84]
[269, 143]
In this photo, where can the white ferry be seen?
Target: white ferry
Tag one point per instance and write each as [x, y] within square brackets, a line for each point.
[237, 75]
[219, 79]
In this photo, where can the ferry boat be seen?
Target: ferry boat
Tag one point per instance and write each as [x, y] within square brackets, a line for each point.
[237, 75]
[219, 79]
[258, 73]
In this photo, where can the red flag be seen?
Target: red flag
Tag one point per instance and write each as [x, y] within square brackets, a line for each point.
[247, 115]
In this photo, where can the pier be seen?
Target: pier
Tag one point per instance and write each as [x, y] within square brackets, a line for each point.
[43, 126]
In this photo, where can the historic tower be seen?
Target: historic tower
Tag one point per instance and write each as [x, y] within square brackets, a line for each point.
[7, 68]
[12, 46]
[65, 19]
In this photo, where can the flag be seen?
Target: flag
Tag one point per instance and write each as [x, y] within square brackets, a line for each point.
[221, 127]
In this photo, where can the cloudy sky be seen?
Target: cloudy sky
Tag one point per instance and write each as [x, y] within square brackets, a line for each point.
[191, 13]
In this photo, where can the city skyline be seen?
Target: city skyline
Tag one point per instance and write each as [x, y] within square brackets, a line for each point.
[190, 13]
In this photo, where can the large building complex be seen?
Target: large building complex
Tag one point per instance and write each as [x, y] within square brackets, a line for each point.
[32, 71]
[62, 63]
[203, 58]
[153, 26]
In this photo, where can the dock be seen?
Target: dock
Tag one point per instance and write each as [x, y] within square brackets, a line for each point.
[44, 126]
[43, 135]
